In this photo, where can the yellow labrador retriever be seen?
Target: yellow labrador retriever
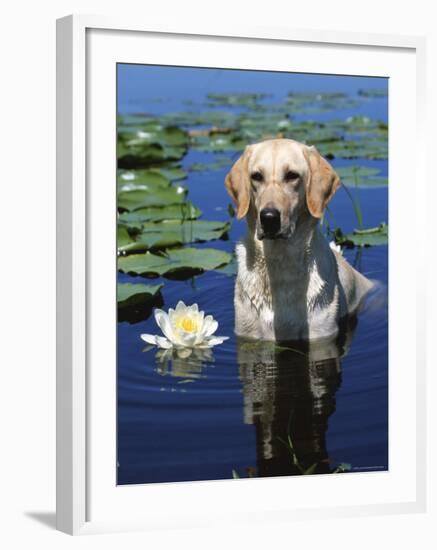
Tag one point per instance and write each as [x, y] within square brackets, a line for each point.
[291, 284]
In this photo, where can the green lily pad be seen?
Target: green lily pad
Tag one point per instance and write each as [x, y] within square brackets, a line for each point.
[373, 182]
[217, 164]
[361, 176]
[138, 155]
[143, 176]
[127, 293]
[373, 236]
[366, 182]
[373, 92]
[229, 269]
[182, 262]
[359, 171]
[242, 99]
[172, 173]
[147, 180]
[136, 301]
[220, 143]
[149, 143]
[313, 97]
[353, 149]
[174, 232]
[123, 237]
[143, 198]
[183, 211]
[204, 118]
[153, 132]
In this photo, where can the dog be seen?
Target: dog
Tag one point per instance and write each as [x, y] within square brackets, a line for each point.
[291, 285]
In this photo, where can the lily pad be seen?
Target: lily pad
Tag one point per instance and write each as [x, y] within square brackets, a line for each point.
[203, 118]
[135, 155]
[136, 301]
[153, 132]
[220, 143]
[230, 269]
[143, 198]
[183, 211]
[359, 171]
[361, 176]
[127, 293]
[149, 143]
[148, 180]
[183, 262]
[217, 164]
[172, 173]
[174, 232]
[151, 175]
[363, 237]
[124, 238]
[353, 149]
[373, 92]
[240, 99]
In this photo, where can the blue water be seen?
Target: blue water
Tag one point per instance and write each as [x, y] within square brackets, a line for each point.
[203, 418]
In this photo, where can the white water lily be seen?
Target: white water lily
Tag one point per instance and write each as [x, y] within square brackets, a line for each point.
[184, 327]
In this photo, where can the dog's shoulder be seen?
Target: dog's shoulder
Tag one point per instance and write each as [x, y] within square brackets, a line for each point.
[354, 284]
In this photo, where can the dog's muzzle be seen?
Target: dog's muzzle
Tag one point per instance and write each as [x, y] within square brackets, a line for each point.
[270, 220]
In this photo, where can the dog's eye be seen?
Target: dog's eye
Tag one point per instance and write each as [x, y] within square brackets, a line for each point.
[257, 176]
[290, 175]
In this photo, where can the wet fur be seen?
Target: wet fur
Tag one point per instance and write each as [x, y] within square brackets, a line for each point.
[296, 288]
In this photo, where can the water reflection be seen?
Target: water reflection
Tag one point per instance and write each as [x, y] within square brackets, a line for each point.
[182, 363]
[289, 395]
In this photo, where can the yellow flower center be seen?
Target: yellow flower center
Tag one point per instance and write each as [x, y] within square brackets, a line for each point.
[187, 324]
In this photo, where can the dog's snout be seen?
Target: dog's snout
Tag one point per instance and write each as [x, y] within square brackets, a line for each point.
[270, 219]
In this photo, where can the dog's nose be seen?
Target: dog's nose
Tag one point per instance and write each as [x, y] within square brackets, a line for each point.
[270, 219]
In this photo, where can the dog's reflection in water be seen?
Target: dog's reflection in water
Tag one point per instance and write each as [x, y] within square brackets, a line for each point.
[289, 395]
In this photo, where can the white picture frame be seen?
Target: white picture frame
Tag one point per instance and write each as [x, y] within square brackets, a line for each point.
[80, 485]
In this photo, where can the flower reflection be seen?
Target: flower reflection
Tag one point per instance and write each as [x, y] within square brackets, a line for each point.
[187, 363]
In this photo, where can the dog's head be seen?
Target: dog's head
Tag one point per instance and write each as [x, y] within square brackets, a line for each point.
[278, 181]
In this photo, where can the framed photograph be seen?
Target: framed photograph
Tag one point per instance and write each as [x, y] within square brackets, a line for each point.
[240, 290]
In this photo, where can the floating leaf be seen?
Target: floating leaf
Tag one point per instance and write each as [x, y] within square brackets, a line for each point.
[244, 99]
[183, 211]
[174, 232]
[359, 171]
[136, 301]
[172, 173]
[123, 237]
[152, 133]
[373, 182]
[373, 92]
[204, 118]
[147, 180]
[137, 155]
[180, 262]
[220, 142]
[128, 292]
[229, 269]
[143, 198]
[313, 97]
[361, 176]
[149, 143]
[217, 164]
[363, 237]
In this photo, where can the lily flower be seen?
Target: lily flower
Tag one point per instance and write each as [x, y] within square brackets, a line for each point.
[184, 327]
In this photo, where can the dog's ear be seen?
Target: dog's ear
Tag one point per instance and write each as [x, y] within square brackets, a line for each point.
[321, 184]
[237, 183]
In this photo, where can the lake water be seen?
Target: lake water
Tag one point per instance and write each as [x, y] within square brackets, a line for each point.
[248, 410]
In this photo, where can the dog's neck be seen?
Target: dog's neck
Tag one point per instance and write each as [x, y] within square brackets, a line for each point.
[295, 250]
